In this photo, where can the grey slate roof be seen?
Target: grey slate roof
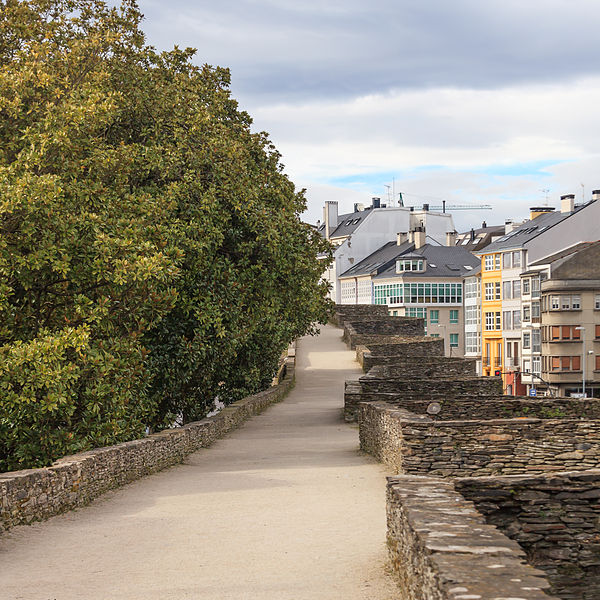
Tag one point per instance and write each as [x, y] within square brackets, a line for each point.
[529, 230]
[346, 224]
[449, 261]
[379, 259]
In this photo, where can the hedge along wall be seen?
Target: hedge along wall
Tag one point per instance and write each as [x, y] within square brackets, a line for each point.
[37, 494]
[442, 549]
[556, 520]
[415, 444]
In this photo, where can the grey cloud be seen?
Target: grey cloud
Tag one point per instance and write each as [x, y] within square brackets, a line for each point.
[290, 51]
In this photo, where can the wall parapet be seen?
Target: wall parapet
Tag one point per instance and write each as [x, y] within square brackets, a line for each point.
[441, 548]
[72, 481]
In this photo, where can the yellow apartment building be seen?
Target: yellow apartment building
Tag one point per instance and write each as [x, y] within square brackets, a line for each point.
[491, 313]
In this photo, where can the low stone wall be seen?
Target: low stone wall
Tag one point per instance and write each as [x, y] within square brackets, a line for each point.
[417, 445]
[556, 520]
[377, 351]
[382, 329]
[431, 390]
[37, 494]
[428, 368]
[442, 549]
[443, 407]
[357, 312]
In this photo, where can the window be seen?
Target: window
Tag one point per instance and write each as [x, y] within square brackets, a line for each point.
[535, 310]
[526, 284]
[471, 315]
[597, 331]
[526, 367]
[489, 291]
[418, 293]
[472, 288]
[565, 363]
[454, 340]
[517, 319]
[409, 265]
[535, 287]
[489, 321]
[516, 288]
[507, 290]
[435, 335]
[554, 302]
[597, 302]
[516, 258]
[597, 363]
[497, 290]
[489, 262]
[536, 365]
[453, 316]
[472, 342]
[498, 321]
[576, 302]
[507, 317]
[526, 341]
[506, 260]
[565, 302]
[497, 261]
[536, 340]
[434, 316]
[527, 313]
[565, 333]
[420, 313]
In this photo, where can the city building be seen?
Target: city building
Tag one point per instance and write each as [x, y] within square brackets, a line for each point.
[417, 279]
[570, 324]
[472, 312]
[477, 239]
[358, 234]
[503, 267]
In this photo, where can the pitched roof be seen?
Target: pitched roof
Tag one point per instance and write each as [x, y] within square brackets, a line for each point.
[381, 258]
[442, 261]
[346, 224]
[519, 236]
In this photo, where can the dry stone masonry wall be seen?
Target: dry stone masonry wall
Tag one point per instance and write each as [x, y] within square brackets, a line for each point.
[448, 538]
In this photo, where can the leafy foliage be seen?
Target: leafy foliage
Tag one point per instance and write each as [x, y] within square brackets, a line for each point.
[151, 252]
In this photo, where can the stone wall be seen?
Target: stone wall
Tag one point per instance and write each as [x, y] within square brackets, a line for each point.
[556, 520]
[427, 368]
[382, 330]
[392, 350]
[418, 445]
[442, 549]
[432, 390]
[442, 407]
[357, 312]
[36, 494]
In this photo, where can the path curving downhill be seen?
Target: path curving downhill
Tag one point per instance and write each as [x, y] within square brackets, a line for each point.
[283, 508]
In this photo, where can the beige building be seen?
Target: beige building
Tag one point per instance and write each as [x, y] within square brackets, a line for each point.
[571, 324]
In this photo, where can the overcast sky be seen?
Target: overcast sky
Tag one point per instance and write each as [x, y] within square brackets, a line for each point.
[471, 101]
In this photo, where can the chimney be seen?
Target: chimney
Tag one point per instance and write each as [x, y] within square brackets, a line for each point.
[567, 203]
[330, 216]
[483, 225]
[425, 207]
[596, 195]
[536, 211]
[401, 238]
[376, 202]
[419, 237]
[358, 206]
[450, 238]
[472, 234]
[508, 226]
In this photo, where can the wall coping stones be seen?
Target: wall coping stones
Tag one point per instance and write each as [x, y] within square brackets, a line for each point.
[441, 547]
[72, 481]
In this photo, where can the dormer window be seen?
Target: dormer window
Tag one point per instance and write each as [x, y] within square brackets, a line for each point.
[403, 265]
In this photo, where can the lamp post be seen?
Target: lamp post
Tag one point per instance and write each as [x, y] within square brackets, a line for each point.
[583, 357]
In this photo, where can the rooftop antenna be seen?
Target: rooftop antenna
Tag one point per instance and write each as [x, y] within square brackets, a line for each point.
[545, 192]
[582, 193]
[388, 194]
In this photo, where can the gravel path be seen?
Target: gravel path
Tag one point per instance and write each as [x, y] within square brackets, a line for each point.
[283, 508]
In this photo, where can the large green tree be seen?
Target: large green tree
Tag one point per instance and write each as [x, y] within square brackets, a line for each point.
[152, 257]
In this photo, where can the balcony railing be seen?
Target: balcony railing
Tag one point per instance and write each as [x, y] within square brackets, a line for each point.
[497, 362]
[486, 361]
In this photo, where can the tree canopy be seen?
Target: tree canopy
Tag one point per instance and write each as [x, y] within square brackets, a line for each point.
[152, 256]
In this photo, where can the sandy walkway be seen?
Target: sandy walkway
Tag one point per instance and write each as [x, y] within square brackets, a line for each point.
[283, 508]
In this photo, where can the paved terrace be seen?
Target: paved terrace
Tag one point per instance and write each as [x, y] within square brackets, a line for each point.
[283, 508]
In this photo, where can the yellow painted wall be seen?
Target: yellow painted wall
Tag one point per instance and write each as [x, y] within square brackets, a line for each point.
[493, 338]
